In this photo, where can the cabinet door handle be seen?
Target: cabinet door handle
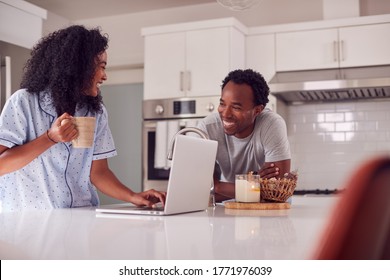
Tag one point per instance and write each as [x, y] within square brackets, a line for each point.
[335, 51]
[181, 80]
[189, 80]
[342, 50]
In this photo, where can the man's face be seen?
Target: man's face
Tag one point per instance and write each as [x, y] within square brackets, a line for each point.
[100, 74]
[237, 109]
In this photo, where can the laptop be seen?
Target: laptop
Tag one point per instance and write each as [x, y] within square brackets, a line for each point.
[189, 182]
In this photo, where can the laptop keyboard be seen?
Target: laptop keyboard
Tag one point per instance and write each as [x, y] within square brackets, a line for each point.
[155, 208]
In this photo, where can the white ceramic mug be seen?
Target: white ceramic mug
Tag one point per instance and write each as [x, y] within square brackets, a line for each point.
[86, 129]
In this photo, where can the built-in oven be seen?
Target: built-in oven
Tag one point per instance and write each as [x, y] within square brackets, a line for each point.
[162, 118]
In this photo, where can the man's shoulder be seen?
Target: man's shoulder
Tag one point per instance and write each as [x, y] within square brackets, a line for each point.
[213, 117]
[269, 115]
[269, 121]
[210, 120]
[212, 125]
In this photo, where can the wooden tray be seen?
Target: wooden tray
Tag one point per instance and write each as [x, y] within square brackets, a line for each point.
[257, 205]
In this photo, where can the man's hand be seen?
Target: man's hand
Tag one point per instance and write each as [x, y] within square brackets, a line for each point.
[269, 170]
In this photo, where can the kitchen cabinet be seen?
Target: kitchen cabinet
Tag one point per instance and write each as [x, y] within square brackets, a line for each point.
[191, 62]
[260, 56]
[349, 46]
[364, 45]
[311, 49]
[21, 23]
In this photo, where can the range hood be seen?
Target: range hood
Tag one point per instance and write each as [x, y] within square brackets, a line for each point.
[331, 84]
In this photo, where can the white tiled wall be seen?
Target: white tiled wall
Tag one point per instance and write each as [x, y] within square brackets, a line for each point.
[329, 140]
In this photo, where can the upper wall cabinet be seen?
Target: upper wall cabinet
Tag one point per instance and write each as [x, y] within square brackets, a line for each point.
[364, 45]
[191, 59]
[334, 47]
[260, 54]
[312, 49]
[21, 23]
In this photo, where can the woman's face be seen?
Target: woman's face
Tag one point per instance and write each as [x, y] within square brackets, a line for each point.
[100, 74]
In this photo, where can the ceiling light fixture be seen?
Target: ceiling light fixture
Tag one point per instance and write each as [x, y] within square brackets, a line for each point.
[238, 5]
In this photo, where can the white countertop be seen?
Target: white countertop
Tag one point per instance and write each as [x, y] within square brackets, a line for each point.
[217, 233]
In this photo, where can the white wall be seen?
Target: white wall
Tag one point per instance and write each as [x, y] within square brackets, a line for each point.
[126, 52]
[124, 106]
[54, 22]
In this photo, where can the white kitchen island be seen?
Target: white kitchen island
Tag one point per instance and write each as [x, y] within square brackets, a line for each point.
[217, 233]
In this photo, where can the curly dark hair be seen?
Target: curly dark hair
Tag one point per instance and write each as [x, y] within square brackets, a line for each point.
[64, 63]
[252, 78]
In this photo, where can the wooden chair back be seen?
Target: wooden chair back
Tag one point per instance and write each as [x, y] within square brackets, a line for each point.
[359, 227]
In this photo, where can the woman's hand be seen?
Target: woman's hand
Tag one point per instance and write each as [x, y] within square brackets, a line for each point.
[63, 129]
[148, 198]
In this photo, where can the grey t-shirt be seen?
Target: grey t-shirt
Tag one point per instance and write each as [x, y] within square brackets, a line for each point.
[267, 143]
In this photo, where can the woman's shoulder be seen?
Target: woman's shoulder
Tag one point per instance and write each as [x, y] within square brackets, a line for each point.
[21, 94]
[102, 115]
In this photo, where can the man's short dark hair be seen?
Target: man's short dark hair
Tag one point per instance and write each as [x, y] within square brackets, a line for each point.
[252, 78]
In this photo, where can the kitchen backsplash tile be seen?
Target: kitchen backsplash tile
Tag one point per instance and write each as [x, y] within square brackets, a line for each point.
[329, 140]
[334, 117]
[354, 116]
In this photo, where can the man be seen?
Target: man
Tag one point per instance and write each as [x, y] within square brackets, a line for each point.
[250, 137]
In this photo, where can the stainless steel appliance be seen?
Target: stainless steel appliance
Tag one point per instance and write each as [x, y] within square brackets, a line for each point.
[339, 84]
[12, 60]
[184, 110]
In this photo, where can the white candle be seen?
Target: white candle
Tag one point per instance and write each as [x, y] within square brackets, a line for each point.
[247, 191]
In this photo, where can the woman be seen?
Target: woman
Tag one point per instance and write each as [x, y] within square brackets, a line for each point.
[39, 168]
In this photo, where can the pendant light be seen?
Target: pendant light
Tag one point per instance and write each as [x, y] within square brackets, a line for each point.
[238, 5]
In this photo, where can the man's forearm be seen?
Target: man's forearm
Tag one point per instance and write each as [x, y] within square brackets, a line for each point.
[223, 190]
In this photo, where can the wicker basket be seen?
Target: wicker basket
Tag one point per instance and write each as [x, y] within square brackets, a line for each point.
[277, 190]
